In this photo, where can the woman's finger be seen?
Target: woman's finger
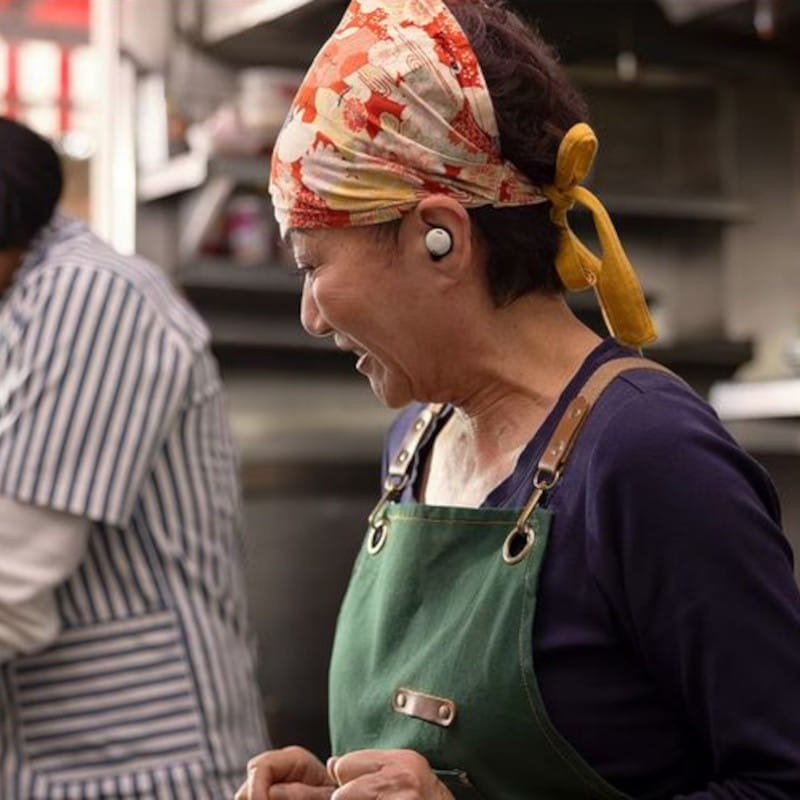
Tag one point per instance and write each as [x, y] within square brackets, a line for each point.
[241, 792]
[371, 774]
[330, 765]
[289, 765]
[300, 791]
[360, 762]
[368, 787]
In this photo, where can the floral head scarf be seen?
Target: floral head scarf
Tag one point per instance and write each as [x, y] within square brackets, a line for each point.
[395, 108]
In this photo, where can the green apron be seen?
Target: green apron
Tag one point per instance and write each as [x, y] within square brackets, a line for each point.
[434, 650]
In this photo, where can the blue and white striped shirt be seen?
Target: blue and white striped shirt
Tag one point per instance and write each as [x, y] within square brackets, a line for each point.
[111, 408]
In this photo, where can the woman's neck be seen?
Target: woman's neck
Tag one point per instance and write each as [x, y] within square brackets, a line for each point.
[519, 364]
[510, 376]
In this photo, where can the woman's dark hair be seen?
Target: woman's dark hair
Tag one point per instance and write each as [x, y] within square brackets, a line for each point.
[31, 182]
[535, 106]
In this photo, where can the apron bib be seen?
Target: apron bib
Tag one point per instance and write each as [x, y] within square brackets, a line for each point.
[434, 643]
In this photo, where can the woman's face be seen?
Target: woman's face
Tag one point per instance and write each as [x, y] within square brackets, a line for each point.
[373, 300]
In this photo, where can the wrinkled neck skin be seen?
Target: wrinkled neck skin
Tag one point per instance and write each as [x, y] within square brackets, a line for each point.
[515, 361]
[506, 373]
[10, 261]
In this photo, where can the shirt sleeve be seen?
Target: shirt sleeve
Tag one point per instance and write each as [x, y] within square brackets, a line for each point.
[41, 549]
[685, 543]
[95, 380]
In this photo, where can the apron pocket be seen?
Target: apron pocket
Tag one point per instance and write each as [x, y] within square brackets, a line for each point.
[109, 699]
[459, 784]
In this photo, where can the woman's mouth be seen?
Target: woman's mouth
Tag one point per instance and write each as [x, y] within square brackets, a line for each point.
[346, 346]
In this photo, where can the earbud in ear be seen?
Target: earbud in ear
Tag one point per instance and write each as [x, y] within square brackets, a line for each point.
[439, 242]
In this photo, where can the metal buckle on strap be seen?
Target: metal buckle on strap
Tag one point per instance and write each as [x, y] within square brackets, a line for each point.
[522, 536]
[514, 550]
[518, 543]
[520, 540]
[392, 487]
[399, 475]
[542, 483]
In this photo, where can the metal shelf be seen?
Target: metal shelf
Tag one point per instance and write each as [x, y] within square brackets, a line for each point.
[229, 328]
[757, 400]
[278, 417]
[702, 362]
[221, 273]
[767, 436]
[179, 174]
[269, 32]
[191, 170]
[719, 353]
[711, 209]
[245, 170]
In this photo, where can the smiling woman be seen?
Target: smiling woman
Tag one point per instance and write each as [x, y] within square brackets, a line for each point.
[574, 584]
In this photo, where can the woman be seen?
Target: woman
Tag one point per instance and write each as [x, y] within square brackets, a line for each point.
[575, 584]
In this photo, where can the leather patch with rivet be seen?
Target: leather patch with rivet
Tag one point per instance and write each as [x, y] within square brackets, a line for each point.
[437, 710]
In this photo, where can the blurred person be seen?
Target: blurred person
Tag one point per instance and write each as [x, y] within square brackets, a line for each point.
[126, 660]
[575, 584]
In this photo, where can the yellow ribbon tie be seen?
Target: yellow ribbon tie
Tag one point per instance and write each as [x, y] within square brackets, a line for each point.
[612, 276]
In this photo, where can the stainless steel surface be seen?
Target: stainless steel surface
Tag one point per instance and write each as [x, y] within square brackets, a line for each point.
[311, 447]
[305, 417]
[300, 550]
[778, 399]
[792, 354]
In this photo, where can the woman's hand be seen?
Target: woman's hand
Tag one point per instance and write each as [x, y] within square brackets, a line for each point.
[388, 774]
[288, 774]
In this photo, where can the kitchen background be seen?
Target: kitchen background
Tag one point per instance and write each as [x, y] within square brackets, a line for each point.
[165, 112]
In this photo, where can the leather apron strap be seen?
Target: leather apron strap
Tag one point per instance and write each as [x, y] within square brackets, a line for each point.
[565, 435]
[551, 465]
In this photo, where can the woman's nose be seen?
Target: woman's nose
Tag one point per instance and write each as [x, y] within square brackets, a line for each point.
[310, 316]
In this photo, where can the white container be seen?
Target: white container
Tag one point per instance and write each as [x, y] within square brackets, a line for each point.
[265, 96]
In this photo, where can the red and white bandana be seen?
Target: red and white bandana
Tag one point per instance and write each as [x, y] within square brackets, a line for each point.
[394, 108]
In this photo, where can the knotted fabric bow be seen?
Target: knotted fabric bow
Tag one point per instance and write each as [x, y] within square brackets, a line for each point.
[612, 276]
[395, 108]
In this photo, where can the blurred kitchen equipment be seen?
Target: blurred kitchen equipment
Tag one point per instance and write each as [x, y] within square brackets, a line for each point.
[152, 135]
[265, 96]
[249, 230]
[792, 352]
[768, 387]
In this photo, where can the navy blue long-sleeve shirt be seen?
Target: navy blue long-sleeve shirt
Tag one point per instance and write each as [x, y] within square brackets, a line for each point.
[667, 637]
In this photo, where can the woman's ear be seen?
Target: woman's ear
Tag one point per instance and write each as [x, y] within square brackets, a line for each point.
[438, 233]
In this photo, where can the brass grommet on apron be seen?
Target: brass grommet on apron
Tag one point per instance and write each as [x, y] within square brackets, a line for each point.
[518, 544]
[377, 537]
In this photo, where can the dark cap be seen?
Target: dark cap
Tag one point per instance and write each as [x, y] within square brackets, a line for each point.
[31, 181]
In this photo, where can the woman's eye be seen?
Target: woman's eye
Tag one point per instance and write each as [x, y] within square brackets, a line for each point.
[304, 270]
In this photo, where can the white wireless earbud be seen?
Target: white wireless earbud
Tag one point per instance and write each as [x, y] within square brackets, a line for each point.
[439, 242]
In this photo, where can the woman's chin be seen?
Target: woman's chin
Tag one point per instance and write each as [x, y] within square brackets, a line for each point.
[391, 393]
[388, 398]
